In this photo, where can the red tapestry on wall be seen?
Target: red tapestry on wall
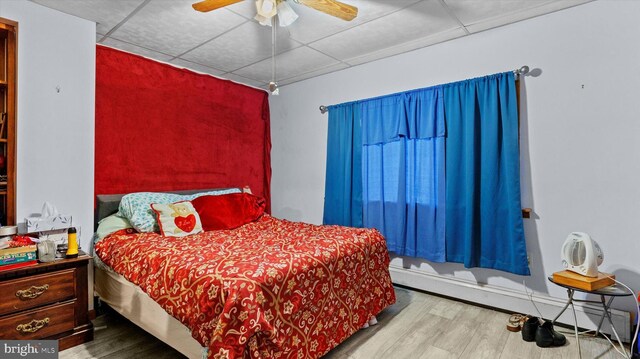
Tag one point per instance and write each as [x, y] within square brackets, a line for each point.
[160, 128]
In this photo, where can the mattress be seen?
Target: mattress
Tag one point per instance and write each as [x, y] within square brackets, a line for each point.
[129, 300]
[271, 288]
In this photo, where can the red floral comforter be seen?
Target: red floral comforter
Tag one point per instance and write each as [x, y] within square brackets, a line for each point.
[270, 289]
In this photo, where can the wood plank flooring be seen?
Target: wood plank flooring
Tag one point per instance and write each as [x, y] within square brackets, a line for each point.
[418, 326]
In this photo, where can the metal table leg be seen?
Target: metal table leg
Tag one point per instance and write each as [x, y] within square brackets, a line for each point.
[575, 327]
[603, 315]
[570, 295]
[613, 328]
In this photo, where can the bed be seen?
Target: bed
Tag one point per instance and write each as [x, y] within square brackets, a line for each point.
[268, 289]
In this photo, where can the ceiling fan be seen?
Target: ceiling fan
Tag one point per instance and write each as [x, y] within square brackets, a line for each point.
[266, 15]
[267, 9]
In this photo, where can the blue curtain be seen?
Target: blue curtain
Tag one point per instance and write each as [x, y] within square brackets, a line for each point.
[483, 210]
[403, 171]
[343, 185]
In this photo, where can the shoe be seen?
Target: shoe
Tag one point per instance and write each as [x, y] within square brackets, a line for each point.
[529, 329]
[558, 338]
[546, 336]
[515, 322]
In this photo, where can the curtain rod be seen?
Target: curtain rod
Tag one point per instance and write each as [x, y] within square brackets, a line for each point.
[518, 72]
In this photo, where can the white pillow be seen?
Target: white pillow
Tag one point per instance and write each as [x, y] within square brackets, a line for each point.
[178, 219]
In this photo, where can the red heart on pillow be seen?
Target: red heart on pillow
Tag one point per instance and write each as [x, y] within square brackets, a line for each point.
[186, 223]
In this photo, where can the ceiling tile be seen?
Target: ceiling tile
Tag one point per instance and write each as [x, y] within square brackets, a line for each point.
[196, 67]
[106, 13]
[313, 25]
[423, 19]
[173, 27]
[472, 11]
[313, 73]
[407, 46]
[480, 16]
[240, 47]
[247, 9]
[136, 49]
[288, 64]
[243, 80]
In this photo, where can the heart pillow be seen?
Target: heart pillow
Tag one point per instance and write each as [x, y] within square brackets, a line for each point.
[177, 219]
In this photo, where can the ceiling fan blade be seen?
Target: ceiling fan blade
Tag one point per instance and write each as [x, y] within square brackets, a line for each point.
[208, 5]
[333, 8]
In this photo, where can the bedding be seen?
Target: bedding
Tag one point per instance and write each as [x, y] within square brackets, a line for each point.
[270, 289]
[127, 298]
[136, 207]
[178, 219]
[110, 224]
[228, 211]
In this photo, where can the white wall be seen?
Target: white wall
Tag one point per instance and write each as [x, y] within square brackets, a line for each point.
[580, 132]
[55, 130]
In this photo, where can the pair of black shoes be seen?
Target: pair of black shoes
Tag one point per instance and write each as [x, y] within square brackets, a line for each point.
[543, 334]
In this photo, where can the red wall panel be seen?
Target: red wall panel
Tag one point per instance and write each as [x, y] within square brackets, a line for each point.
[160, 128]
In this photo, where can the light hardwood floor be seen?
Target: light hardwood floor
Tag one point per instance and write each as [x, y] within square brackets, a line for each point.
[418, 326]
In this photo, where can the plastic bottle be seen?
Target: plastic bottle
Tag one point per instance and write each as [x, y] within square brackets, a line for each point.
[72, 249]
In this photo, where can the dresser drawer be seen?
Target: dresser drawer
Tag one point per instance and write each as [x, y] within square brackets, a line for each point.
[30, 292]
[39, 323]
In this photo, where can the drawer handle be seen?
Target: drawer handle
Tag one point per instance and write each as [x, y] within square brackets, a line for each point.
[33, 292]
[33, 326]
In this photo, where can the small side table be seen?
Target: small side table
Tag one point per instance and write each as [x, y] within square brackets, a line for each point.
[612, 292]
[47, 301]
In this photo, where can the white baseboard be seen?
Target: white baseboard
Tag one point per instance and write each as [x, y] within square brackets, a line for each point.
[511, 300]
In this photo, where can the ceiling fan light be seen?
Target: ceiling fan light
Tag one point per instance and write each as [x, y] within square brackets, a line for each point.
[286, 15]
[264, 21]
[266, 8]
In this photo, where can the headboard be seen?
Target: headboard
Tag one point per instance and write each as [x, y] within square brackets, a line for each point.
[161, 128]
[107, 204]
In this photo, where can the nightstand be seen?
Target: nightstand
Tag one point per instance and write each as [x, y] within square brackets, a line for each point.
[610, 291]
[47, 301]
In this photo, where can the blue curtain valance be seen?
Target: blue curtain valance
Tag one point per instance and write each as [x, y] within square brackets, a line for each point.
[417, 114]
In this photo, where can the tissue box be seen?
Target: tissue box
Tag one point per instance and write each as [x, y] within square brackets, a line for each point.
[58, 237]
[51, 223]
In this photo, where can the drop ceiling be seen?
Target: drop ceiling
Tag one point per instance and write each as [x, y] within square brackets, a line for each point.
[228, 43]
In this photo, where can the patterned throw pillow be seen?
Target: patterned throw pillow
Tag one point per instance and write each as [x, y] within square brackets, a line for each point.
[177, 219]
[136, 207]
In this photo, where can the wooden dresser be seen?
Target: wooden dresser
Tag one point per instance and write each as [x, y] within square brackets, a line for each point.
[47, 301]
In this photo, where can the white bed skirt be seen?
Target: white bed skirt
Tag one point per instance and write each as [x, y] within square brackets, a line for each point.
[134, 304]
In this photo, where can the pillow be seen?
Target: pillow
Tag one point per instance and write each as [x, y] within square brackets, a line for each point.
[216, 192]
[111, 224]
[178, 219]
[228, 211]
[136, 207]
